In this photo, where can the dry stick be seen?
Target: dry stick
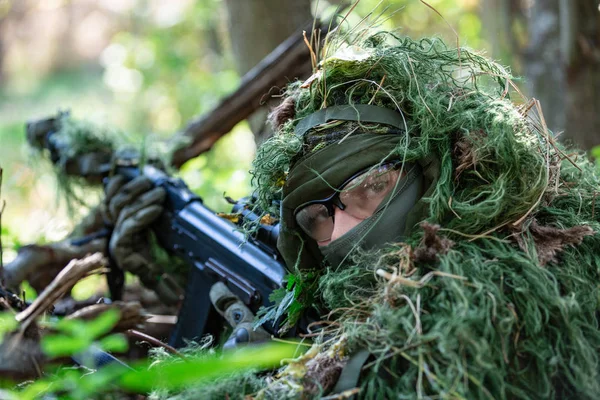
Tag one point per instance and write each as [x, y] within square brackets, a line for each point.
[535, 103]
[289, 59]
[313, 30]
[359, 23]
[346, 394]
[36, 365]
[482, 235]
[33, 258]
[313, 56]
[392, 278]
[451, 209]
[377, 90]
[349, 12]
[63, 282]
[154, 341]
[278, 340]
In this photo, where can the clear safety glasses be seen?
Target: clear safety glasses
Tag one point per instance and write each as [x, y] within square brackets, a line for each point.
[359, 196]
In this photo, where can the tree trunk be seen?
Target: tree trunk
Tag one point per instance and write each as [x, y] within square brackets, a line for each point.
[581, 55]
[504, 22]
[2, 51]
[563, 67]
[256, 27]
[64, 53]
[496, 17]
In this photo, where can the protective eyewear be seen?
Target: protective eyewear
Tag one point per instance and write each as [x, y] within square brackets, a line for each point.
[359, 196]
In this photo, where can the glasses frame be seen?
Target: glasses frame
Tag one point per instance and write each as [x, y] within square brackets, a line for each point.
[334, 199]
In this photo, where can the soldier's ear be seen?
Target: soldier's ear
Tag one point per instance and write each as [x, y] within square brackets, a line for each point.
[282, 113]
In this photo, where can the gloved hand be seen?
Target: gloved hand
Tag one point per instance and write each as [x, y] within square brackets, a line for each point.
[131, 207]
[237, 315]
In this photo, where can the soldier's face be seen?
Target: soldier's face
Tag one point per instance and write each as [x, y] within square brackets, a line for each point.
[343, 222]
[325, 220]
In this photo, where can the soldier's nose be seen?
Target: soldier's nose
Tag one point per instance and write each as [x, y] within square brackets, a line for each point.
[343, 222]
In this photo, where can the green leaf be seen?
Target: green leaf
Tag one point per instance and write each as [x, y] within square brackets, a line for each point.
[102, 324]
[8, 323]
[114, 343]
[277, 295]
[180, 374]
[285, 303]
[63, 345]
[38, 388]
[291, 280]
[595, 151]
[72, 327]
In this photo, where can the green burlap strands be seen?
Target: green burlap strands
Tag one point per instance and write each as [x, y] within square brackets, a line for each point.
[497, 295]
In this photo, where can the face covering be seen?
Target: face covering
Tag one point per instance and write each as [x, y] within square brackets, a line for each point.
[316, 175]
[386, 225]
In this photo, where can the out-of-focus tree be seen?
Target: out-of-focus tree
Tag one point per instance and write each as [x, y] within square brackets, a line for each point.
[563, 66]
[555, 44]
[440, 18]
[256, 27]
[505, 31]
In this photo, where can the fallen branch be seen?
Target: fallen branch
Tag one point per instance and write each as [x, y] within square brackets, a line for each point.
[40, 264]
[131, 316]
[289, 60]
[64, 281]
[154, 342]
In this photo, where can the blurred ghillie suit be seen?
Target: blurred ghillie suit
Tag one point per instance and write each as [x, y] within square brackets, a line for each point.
[496, 294]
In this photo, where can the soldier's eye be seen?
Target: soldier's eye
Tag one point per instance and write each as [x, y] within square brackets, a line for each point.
[377, 185]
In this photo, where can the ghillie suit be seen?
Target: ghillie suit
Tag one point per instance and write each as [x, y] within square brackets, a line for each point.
[495, 294]
[493, 290]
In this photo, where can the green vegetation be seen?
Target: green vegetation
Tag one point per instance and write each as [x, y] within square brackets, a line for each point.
[153, 77]
[495, 294]
[162, 374]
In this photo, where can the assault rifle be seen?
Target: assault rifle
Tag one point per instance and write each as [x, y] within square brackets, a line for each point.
[213, 246]
[216, 251]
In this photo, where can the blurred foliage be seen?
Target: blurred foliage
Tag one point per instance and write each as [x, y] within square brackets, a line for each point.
[172, 72]
[162, 65]
[75, 336]
[154, 75]
[164, 373]
[595, 152]
[8, 323]
[417, 19]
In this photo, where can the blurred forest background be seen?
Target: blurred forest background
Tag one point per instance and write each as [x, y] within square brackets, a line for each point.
[148, 66]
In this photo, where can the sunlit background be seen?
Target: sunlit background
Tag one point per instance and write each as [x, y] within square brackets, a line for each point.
[147, 67]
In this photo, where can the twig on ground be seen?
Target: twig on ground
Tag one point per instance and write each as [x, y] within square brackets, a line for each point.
[63, 282]
[131, 316]
[154, 341]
